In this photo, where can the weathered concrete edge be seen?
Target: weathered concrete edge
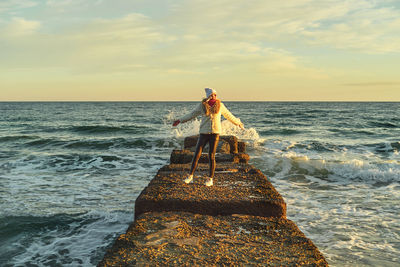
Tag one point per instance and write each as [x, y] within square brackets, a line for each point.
[233, 158]
[213, 207]
[257, 207]
[121, 251]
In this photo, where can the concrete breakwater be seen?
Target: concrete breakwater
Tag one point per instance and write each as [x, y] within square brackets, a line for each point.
[241, 220]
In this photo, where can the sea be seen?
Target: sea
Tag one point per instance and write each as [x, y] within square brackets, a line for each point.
[70, 173]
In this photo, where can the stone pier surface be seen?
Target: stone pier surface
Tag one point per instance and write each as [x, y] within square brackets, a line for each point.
[239, 221]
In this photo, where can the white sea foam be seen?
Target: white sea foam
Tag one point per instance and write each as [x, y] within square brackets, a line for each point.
[71, 245]
[343, 200]
[190, 128]
[76, 183]
[346, 167]
[249, 135]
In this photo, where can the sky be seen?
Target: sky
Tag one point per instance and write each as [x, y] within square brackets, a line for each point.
[169, 50]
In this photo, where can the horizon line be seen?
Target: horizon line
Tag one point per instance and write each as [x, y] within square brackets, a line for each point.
[166, 101]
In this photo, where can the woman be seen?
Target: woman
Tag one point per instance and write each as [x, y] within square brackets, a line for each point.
[211, 110]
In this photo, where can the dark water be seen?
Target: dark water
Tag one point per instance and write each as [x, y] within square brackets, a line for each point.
[70, 172]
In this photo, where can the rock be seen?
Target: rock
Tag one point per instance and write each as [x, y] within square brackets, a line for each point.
[186, 156]
[223, 147]
[241, 147]
[203, 240]
[191, 142]
[395, 146]
[181, 156]
[233, 142]
[240, 221]
[221, 167]
[243, 157]
[244, 191]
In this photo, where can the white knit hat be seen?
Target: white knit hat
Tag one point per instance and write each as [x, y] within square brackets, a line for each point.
[210, 91]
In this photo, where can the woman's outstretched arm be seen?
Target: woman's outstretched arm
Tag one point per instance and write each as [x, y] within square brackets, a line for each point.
[229, 116]
[190, 116]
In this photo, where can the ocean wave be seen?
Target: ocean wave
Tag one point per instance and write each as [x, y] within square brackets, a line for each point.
[12, 227]
[320, 206]
[83, 161]
[282, 131]
[60, 239]
[383, 124]
[313, 147]
[336, 163]
[13, 138]
[18, 119]
[282, 115]
[309, 147]
[309, 114]
[5, 155]
[352, 132]
[45, 142]
[105, 129]
[334, 170]
[384, 147]
[92, 144]
[97, 144]
[66, 162]
[270, 121]
[316, 146]
[81, 130]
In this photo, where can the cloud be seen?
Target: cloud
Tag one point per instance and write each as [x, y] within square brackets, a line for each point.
[372, 84]
[18, 27]
[128, 41]
[363, 25]
[62, 3]
[13, 5]
[136, 43]
[63, 6]
[102, 45]
[369, 30]
[199, 36]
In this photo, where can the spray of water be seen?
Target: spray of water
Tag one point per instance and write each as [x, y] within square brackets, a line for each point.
[250, 135]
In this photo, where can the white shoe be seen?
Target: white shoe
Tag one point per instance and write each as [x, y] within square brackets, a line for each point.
[209, 182]
[189, 179]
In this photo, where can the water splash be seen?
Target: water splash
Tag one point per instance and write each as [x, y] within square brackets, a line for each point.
[250, 135]
[183, 129]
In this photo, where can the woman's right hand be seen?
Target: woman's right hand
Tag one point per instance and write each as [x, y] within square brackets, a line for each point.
[176, 123]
